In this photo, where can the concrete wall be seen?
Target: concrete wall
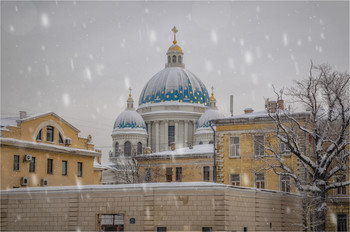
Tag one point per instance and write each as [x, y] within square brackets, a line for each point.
[177, 206]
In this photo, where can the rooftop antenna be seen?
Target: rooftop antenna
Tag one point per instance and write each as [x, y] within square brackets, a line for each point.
[231, 105]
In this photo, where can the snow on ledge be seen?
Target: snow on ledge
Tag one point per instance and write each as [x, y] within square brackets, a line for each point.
[49, 147]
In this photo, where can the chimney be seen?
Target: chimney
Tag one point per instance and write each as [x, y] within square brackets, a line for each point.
[272, 106]
[22, 114]
[248, 110]
[280, 104]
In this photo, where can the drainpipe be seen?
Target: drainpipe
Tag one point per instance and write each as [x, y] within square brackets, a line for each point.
[214, 166]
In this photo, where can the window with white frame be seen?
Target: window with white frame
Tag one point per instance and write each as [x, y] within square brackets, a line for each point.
[259, 145]
[235, 180]
[284, 149]
[260, 180]
[285, 183]
[234, 147]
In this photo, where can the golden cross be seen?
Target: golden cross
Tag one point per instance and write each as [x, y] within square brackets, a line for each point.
[130, 91]
[212, 91]
[175, 31]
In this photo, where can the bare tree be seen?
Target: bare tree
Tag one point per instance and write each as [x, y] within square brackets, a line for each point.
[319, 138]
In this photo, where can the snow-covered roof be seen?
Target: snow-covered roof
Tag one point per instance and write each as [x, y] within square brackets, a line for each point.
[6, 122]
[48, 147]
[203, 149]
[12, 121]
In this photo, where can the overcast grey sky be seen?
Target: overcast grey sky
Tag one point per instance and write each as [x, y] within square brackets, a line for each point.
[79, 58]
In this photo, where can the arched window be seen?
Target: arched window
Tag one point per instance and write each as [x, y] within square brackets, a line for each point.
[127, 148]
[211, 142]
[116, 146]
[174, 59]
[60, 139]
[200, 142]
[169, 59]
[50, 131]
[179, 59]
[39, 136]
[139, 148]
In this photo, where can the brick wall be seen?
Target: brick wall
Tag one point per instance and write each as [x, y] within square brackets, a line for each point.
[177, 206]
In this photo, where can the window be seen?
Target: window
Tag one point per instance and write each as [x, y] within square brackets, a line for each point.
[342, 224]
[169, 174]
[234, 146]
[16, 163]
[207, 229]
[284, 149]
[80, 169]
[161, 229]
[235, 180]
[285, 184]
[171, 135]
[259, 145]
[200, 142]
[179, 174]
[174, 59]
[341, 190]
[64, 167]
[49, 166]
[259, 180]
[32, 165]
[206, 174]
[139, 148]
[148, 175]
[50, 134]
[116, 146]
[127, 148]
[179, 59]
[39, 136]
[60, 139]
[111, 222]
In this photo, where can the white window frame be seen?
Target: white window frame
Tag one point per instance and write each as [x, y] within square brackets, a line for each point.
[239, 177]
[260, 181]
[286, 183]
[263, 145]
[284, 149]
[235, 147]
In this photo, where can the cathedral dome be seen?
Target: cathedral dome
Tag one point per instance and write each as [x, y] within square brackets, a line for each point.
[210, 114]
[129, 121]
[175, 47]
[174, 84]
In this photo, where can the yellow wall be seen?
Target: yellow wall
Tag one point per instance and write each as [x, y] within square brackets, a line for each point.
[27, 131]
[192, 168]
[247, 164]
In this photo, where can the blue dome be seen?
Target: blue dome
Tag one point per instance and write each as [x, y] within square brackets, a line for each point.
[129, 119]
[174, 84]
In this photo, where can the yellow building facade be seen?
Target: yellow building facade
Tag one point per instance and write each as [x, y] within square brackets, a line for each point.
[45, 150]
[243, 139]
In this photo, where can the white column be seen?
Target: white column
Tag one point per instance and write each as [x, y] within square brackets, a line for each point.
[165, 135]
[149, 125]
[157, 136]
[194, 131]
[186, 134]
[177, 133]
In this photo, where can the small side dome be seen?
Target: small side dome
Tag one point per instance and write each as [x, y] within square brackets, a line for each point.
[129, 121]
[210, 114]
